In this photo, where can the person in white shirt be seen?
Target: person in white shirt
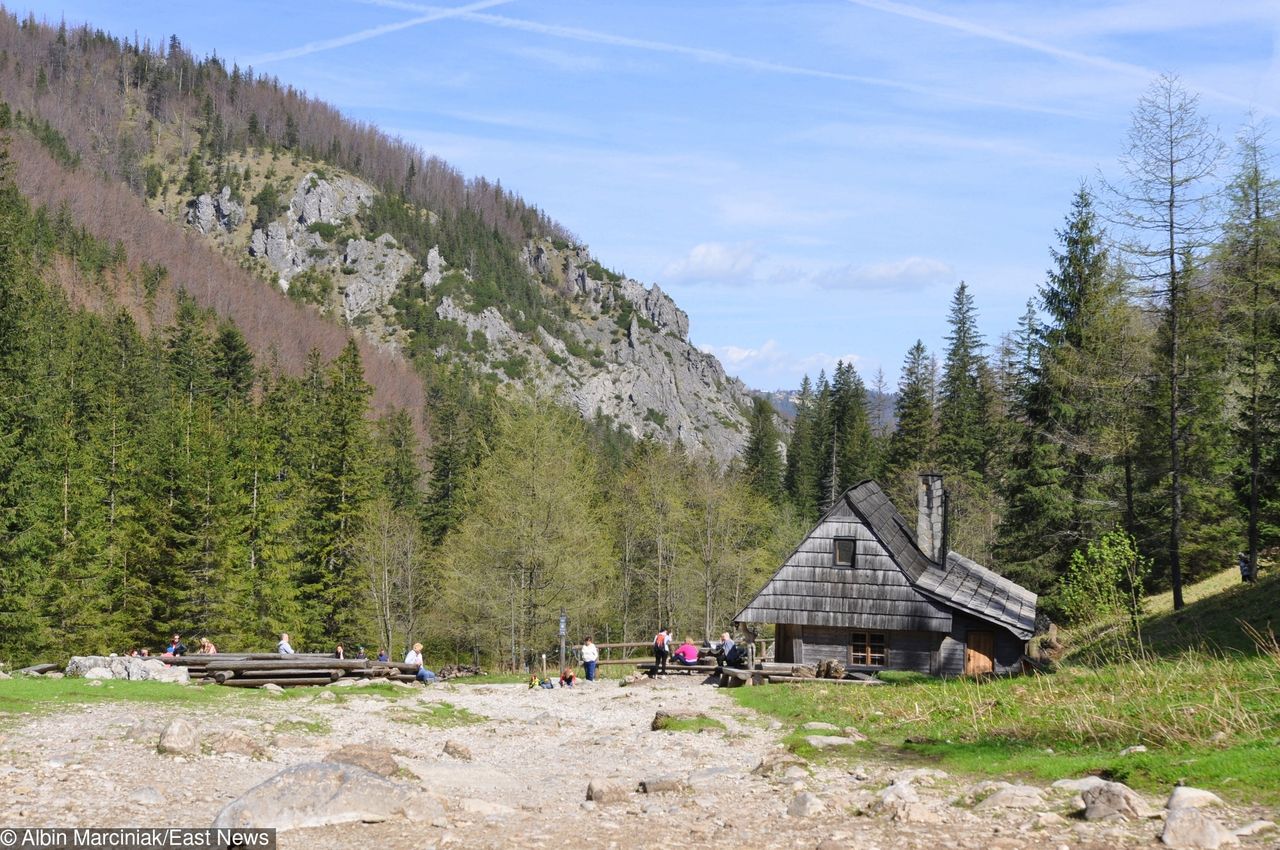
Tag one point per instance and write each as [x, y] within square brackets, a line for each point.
[414, 656]
[283, 646]
[590, 655]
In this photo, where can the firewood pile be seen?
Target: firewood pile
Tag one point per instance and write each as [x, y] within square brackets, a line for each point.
[452, 671]
[827, 668]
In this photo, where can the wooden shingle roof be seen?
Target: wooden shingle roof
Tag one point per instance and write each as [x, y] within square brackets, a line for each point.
[894, 587]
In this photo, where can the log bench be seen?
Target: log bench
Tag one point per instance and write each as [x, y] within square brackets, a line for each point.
[672, 667]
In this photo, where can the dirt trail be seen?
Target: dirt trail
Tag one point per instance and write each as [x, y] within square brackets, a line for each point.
[525, 784]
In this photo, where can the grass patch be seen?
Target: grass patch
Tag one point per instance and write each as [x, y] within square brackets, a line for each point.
[688, 723]
[304, 727]
[24, 695]
[440, 715]
[1209, 720]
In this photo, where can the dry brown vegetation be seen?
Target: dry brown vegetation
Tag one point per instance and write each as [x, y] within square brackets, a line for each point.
[275, 327]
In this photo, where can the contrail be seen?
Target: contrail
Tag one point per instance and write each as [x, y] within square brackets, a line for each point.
[374, 32]
[716, 57]
[991, 34]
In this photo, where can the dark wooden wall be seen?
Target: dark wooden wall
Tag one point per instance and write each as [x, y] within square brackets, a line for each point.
[932, 653]
[1009, 647]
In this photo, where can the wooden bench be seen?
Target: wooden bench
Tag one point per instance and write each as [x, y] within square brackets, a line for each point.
[673, 667]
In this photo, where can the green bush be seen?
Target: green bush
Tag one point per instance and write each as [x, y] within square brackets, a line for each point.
[1103, 579]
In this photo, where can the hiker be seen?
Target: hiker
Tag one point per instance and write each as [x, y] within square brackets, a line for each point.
[382, 655]
[660, 651]
[360, 656]
[339, 652]
[1246, 569]
[207, 647]
[687, 654]
[590, 657]
[567, 678]
[414, 656]
[283, 646]
[176, 646]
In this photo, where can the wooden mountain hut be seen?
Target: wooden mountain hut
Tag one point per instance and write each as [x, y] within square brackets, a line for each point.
[862, 589]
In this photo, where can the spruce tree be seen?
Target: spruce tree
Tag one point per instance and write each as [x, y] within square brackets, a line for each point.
[911, 447]
[761, 459]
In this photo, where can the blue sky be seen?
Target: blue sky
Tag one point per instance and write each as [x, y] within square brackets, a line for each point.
[810, 181]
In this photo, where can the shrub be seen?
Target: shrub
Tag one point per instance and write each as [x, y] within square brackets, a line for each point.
[1103, 579]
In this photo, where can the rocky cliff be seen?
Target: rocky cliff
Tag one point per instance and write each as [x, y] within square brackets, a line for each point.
[602, 342]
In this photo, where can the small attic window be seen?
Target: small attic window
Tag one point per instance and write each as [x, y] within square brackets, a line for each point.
[846, 551]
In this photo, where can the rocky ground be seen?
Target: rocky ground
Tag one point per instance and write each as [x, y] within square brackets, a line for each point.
[519, 778]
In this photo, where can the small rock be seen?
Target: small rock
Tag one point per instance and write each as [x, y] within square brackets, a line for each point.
[234, 742]
[99, 673]
[1218, 737]
[1128, 751]
[816, 726]
[272, 688]
[607, 791]
[664, 785]
[1080, 785]
[327, 696]
[924, 776]
[776, 761]
[286, 741]
[1046, 820]
[795, 772]
[1114, 800]
[588, 805]
[1185, 796]
[806, 804]
[458, 751]
[180, 738]
[826, 742]
[372, 758]
[980, 791]
[53, 675]
[146, 796]
[1013, 797]
[1257, 827]
[852, 732]
[484, 808]
[1189, 827]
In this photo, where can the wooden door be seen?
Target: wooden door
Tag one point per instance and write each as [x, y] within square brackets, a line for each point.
[979, 653]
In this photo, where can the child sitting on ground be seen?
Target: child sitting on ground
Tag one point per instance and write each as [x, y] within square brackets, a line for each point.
[567, 678]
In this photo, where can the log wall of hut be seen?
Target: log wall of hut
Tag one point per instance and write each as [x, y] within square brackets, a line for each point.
[1009, 648]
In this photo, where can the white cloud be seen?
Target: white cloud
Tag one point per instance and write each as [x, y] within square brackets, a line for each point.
[769, 362]
[909, 274]
[716, 261]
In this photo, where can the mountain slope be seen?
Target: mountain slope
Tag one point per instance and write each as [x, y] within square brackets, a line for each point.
[365, 229]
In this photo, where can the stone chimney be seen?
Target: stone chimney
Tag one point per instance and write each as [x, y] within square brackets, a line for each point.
[931, 521]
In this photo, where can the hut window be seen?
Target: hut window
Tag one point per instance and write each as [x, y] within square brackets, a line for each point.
[867, 648]
[846, 549]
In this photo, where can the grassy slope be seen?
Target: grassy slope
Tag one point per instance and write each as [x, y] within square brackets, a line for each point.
[1208, 717]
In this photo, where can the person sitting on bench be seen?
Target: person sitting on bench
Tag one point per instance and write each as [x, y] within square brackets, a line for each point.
[687, 654]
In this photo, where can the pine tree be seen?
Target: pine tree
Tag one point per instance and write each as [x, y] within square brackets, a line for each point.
[960, 438]
[1249, 257]
[801, 480]
[911, 447]
[761, 458]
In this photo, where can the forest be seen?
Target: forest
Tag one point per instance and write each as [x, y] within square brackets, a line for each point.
[184, 449]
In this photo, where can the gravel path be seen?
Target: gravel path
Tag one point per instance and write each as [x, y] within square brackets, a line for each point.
[525, 783]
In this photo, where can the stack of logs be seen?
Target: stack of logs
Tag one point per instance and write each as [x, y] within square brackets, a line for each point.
[827, 668]
[253, 670]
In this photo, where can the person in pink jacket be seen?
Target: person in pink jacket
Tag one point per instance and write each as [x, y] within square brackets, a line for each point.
[687, 654]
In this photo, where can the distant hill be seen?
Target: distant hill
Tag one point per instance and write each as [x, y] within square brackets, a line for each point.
[784, 402]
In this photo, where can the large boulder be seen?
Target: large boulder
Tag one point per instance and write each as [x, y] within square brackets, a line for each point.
[132, 668]
[208, 213]
[323, 793]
